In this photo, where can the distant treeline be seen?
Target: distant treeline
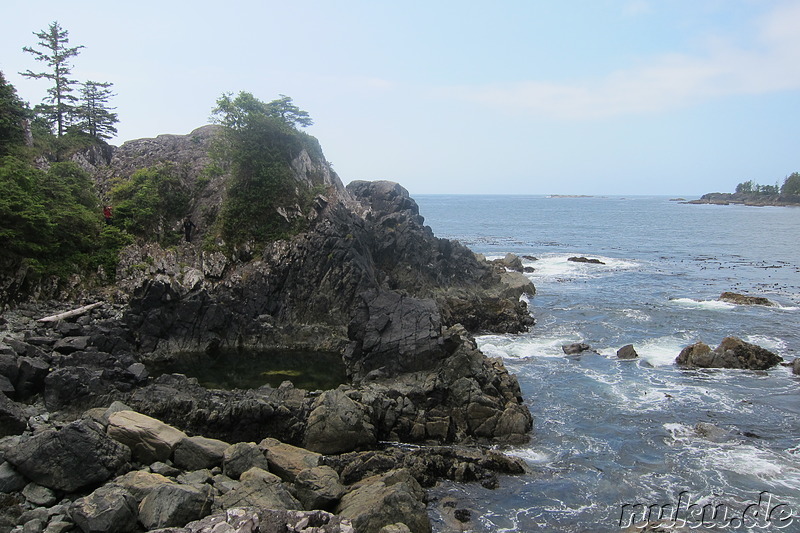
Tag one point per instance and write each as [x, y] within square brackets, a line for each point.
[790, 187]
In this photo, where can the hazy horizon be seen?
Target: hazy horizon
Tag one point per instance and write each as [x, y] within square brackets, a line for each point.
[626, 97]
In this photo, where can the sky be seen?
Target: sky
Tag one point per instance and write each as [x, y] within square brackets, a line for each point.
[674, 97]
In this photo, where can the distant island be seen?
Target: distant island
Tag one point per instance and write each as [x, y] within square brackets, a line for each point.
[569, 196]
[751, 193]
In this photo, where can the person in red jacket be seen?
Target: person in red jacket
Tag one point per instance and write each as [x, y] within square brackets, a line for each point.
[107, 214]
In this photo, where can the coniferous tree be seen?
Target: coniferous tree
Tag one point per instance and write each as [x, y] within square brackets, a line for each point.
[55, 52]
[94, 115]
[13, 113]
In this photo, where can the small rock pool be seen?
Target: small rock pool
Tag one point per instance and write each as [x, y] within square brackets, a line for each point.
[253, 369]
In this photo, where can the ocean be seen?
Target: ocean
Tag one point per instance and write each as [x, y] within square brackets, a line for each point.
[615, 443]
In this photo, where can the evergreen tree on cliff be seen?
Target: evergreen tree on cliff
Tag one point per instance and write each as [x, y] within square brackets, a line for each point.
[13, 114]
[94, 115]
[59, 106]
[259, 145]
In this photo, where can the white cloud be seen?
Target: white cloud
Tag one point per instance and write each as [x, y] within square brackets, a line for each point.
[669, 82]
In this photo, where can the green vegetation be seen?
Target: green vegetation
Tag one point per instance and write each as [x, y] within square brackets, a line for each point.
[790, 187]
[260, 142]
[151, 203]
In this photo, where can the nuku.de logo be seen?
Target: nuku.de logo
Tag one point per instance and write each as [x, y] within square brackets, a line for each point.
[763, 514]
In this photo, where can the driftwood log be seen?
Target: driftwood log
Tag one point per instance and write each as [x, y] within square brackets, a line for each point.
[68, 314]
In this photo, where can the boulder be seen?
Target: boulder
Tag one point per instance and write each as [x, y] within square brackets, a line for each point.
[379, 501]
[796, 366]
[196, 453]
[7, 387]
[140, 483]
[338, 424]
[511, 262]
[627, 352]
[288, 461]
[249, 520]
[30, 376]
[318, 488]
[76, 456]
[258, 488]
[68, 345]
[13, 419]
[731, 353]
[39, 496]
[743, 299]
[10, 479]
[149, 439]
[576, 348]
[241, 457]
[585, 260]
[109, 509]
[171, 505]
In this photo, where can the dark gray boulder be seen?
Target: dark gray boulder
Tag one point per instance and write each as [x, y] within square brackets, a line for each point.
[13, 418]
[30, 376]
[731, 353]
[627, 352]
[241, 457]
[10, 479]
[585, 260]
[196, 453]
[171, 505]
[109, 509]
[743, 299]
[576, 348]
[76, 456]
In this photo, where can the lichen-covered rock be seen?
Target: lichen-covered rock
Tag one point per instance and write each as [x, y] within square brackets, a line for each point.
[258, 488]
[149, 439]
[394, 497]
[170, 505]
[241, 457]
[318, 488]
[338, 424]
[109, 509]
[288, 461]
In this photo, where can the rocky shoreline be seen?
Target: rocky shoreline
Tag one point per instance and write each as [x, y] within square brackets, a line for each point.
[750, 199]
[367, 281]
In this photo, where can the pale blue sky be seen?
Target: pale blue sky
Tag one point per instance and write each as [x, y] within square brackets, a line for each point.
[508, 97]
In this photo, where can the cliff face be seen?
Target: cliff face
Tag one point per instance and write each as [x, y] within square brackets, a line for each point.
[367, 280]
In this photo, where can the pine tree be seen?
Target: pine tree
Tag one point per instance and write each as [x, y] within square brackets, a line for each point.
[60, 105]
[94, 117]
[13, 113]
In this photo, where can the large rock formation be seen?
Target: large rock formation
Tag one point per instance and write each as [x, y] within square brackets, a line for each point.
[731, 353]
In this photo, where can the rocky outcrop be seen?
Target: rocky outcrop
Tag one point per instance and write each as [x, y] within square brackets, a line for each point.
[743, 299]
[582, 259]
[752, 199]
[731, 353]
[627, 352]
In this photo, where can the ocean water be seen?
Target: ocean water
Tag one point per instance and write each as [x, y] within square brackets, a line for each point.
[611, 434]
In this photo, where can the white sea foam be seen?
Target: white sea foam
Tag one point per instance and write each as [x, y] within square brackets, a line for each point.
[661, 351]
[523, 347]
[557, 267]
[714, 305]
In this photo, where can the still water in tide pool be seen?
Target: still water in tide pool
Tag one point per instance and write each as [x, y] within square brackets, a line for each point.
[610, 433]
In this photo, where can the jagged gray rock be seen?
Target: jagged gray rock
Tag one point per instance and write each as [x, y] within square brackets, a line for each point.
[109, 509]
[76, 456]
[338, 424]
[391, 498]
[241, 457]
[171, 505]
[195, 453]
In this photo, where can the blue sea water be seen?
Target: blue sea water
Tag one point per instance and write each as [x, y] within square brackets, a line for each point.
[610, 433]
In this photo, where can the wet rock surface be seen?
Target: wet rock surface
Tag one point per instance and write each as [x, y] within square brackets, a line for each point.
[731, 353]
